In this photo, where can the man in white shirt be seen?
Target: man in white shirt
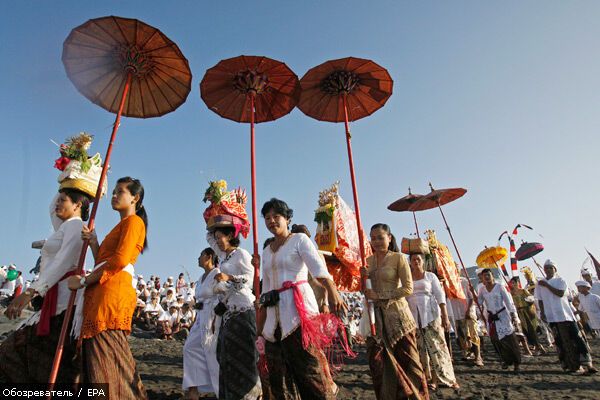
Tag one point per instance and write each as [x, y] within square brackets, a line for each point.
[589, 303]
[594, 283]
[153, 312]
[573, 351]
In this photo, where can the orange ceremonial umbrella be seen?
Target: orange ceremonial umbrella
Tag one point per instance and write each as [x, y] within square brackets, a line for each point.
[251, 89]
[405, 203]
[346, 89]
[129, 68]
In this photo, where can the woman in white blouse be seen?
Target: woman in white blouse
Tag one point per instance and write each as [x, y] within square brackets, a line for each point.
[427, 304]
[236, 349]
[501, 313]
[297, 365]
[27, 354]
[200, 366]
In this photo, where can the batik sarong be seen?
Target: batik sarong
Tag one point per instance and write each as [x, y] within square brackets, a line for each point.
[238, 357]
[107, 358]
[26, 357]
[397, 372]
[434, 355]
[296, 372]
[573, 349]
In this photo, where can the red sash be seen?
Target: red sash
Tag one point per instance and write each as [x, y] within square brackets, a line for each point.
[49, 307]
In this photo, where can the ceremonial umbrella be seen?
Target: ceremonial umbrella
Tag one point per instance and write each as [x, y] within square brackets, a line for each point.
[404, 204]
[129, 68]
[528, 250]
[346, 90]
[437, 198]
[492, 257]
[251, 89]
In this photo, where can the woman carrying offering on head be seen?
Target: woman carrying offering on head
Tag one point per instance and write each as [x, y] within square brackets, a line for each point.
[428, 306]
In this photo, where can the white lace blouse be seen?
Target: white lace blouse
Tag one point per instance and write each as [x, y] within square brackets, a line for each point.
[494, 301]
[237, 292]
[291, 262]
[425, 300]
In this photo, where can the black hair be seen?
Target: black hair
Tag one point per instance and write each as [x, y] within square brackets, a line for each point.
[267, 242]
[393, 246]
[79, 197]
[300, 229]
[279, 206]
[136, 189]
[485, 270]
[181, 274]
[211, 253]
[229, 231]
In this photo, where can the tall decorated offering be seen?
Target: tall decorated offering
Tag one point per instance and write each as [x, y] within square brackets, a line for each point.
[79, 170]
[337, 237]
[227, 208]
[442, 264]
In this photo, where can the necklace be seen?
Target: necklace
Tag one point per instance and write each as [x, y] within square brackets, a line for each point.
[275, 246]
[229, 255]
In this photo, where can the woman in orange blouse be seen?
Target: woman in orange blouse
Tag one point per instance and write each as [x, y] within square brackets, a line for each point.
[110, 298]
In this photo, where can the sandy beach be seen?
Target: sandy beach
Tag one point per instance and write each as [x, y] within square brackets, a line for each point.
[160, 365]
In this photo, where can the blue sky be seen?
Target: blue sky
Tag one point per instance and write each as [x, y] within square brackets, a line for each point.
[498, 97]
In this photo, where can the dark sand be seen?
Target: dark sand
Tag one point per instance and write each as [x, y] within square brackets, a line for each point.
[160, 365]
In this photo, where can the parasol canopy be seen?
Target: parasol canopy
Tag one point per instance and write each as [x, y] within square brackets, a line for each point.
[99, 55]
[437, 198]
[405, 203]
[492, 257]
[346, 89]
[528, 250]
[227, 86]
[251, 89]
[366, 85]
[129, 68]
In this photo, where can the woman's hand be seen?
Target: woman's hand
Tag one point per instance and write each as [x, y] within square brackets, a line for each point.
[222, 277]
[255, 261]
[74, 282]
[446, 324]
[370, 294]
[90, 235]
[325, 309]
[17, 305]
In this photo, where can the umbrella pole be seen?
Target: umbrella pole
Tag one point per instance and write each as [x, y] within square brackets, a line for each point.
[81, 262]
[538, 265]
[463, 265]
[253, 185]
[361, 240]
[500, 269]
[416, 226]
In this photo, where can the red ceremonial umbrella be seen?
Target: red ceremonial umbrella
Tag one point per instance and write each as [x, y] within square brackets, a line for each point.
[129, 68]
[251, 89]
[404, 204]
[437, 198]
[346, 90]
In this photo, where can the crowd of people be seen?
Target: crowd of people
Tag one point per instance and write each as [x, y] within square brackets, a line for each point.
[279, 345]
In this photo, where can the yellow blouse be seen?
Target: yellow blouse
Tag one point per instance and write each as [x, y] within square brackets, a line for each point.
[392, 281]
